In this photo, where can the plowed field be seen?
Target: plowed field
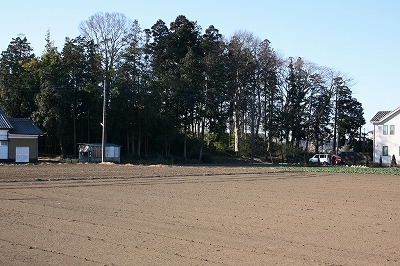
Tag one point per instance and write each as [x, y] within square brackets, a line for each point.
[106, 214]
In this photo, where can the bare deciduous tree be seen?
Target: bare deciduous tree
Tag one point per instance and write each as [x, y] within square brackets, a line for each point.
[111, 33]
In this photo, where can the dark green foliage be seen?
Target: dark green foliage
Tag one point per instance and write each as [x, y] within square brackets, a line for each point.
[177, 93]
[18, 80]
[349, 114]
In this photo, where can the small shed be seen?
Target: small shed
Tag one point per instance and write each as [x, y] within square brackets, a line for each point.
[91, 152]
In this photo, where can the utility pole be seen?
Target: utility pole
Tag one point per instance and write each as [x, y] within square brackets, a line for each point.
[252, 127]
[103, 135]
[203, 120]
[335, 122]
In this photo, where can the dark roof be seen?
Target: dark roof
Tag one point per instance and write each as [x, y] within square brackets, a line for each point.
[24, 126]
[379, 115]
[99, 144]
[383, 116]
[4, 121]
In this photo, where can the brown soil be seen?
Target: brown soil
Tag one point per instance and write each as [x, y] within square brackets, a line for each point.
[106, 214]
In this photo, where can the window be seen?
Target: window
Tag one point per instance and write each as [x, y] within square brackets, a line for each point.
[391, 132]
[3, 143]
[385, 151]
[385, 130]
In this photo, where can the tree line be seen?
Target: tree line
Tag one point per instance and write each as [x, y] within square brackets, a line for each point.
[176, 91]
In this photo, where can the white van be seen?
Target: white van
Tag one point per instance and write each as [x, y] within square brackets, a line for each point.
[323, 158]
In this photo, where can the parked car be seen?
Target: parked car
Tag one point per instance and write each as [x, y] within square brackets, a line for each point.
[321, 158]
[336, 159]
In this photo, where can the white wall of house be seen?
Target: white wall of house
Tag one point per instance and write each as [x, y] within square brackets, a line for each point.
[387, 139]
[3, 134]
[3, 144]
[3, 149]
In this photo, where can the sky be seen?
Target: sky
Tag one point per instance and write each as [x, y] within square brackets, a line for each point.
[358, 38]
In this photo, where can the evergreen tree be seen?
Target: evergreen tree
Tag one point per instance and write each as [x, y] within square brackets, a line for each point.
[81, 68]
[18, 82]
[349, 114]
[214, 108]
[318, 112]
[270, 94]
[53, 108]
[240, 74]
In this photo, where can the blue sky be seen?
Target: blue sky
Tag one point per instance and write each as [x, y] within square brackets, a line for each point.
[358, 38]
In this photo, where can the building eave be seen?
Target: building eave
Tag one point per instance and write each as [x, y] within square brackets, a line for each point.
[20, 136]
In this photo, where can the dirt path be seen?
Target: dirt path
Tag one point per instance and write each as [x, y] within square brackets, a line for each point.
[142, 215]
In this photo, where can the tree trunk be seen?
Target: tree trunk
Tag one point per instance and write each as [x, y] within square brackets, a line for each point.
[88, 126]
[128, 151]
[184, 142]
[236, 117]
[202, 139]
[139, 145]
[133, 145]
[62, 148]
[74, 126]
[236, 130]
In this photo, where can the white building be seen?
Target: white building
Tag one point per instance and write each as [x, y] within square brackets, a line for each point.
[386, 136]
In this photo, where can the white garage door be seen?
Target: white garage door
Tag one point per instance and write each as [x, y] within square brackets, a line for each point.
[22, 155]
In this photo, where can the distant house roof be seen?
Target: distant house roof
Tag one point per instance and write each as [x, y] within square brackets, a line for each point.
[381, 116]
[99, 144]
[4, 121]
[24, 126]
[20, 126]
